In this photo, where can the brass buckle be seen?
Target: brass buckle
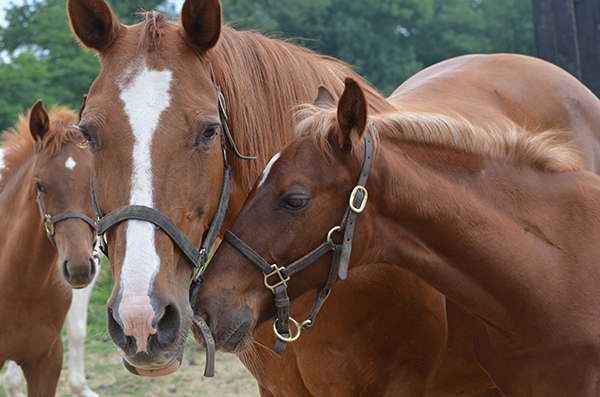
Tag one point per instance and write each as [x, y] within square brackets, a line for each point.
[355, 191]
[276, 270]
[48, 225]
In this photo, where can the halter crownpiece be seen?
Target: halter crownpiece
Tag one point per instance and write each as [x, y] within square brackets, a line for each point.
[339, 262]
[197, 258]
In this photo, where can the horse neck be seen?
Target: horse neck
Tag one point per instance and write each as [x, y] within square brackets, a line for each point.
[262, 81]
[446, 232]
[25, 250]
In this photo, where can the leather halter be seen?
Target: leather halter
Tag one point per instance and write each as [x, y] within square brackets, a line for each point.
[339, 262]
[50, 220]
[197, 258]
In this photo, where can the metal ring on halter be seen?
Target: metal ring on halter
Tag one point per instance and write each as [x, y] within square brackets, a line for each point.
[333, 230]
[355, 191]
[299, 328]
[48, 224]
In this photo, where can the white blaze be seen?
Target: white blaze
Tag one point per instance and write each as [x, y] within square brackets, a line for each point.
[70, 163]
[265, 173]
[2, 165]
[146, 96]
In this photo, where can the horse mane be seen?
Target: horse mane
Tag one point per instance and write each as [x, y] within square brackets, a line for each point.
[19, 145]
[263, 80]
[151, 33]
[504, 139]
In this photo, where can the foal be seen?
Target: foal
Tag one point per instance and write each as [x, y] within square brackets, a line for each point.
[41, 162]
[504, 224]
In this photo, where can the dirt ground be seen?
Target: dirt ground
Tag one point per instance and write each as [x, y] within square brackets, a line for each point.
[108, 377]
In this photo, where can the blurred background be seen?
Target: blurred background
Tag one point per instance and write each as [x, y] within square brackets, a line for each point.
[386, 41]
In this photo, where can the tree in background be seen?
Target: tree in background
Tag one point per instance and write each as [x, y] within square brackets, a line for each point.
[44, 61]
[386, 41]
[370, 35]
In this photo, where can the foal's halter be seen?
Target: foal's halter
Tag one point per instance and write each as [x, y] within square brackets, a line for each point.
[197, 258]
[50, 220]
[339, 262]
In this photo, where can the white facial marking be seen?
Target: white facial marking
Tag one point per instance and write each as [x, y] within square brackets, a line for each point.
[2, 165]
[70, 164]
[268, 169]
[146, 96]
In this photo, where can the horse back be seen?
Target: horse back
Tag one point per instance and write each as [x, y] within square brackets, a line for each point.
[492, 89]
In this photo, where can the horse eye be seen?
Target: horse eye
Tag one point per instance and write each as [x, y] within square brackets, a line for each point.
[295, 202]
[91, 142]
[39, 187]
[209, 133]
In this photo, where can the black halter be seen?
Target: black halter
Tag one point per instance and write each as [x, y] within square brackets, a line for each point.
[197, 258]
[339, 262]
[50, 220]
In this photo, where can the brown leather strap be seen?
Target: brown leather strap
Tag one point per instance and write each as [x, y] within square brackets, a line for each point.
[350, 222]
[209, 344]
[50, 220]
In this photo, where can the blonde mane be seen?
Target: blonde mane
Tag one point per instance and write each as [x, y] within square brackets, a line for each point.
[504, 139]
[19, 145]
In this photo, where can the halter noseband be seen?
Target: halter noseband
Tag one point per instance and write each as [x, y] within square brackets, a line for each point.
[50, 220]
[197, 258]
[339, 262]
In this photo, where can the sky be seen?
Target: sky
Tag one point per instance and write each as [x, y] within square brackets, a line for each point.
[7, 4]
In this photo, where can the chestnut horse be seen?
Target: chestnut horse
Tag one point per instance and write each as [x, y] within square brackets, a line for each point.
[523, 82]
[154, 127]
[499, 216]
[44, 208]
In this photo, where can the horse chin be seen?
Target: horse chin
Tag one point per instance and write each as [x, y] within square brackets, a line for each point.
[232, 342]
[167, 370]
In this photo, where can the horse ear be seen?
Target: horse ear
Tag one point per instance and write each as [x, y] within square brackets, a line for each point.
[82, 108]
[39, 122]
[352, 114]
[324, 99]
[201, 20]
[94, 23]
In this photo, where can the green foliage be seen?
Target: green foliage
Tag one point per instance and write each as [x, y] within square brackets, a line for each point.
[387, 41]
[366, 34]
[42, 58]
[44, 61]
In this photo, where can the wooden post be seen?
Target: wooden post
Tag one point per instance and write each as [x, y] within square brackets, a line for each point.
[568, 34]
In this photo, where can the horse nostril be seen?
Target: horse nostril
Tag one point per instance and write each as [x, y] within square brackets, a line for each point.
[168, 326]
[92, 272]
[65, 270]
[115, 329]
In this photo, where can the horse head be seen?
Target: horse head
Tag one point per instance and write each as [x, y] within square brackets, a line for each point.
[61, 177]
[299, 203]
[153, 126]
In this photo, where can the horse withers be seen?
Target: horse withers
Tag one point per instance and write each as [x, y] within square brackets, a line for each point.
[47, 234]
[487, 206]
